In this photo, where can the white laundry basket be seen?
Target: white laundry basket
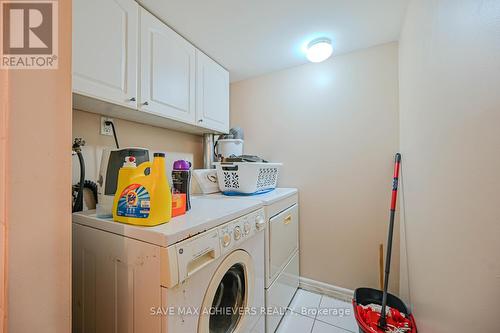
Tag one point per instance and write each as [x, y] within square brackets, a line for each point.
[247, 177]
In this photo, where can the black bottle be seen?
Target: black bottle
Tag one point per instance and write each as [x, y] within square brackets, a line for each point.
[181, 179]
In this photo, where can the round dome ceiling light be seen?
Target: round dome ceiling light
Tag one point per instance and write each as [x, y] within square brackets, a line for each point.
[319, 50]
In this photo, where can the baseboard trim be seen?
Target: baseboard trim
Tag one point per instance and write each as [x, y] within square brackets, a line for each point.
[326, 289]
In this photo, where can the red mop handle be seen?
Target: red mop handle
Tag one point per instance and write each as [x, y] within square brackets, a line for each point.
[395, 181]
[397, 162]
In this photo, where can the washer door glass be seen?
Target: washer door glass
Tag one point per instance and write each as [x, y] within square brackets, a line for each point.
[228, 302]
[229, 296]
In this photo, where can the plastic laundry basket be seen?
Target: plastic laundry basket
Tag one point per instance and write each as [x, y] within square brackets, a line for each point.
[247, 177]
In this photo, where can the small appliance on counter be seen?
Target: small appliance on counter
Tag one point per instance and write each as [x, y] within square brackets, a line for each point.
[107, 180]
[181, 180]
[229, 148]
[204, 181]
[230, 145]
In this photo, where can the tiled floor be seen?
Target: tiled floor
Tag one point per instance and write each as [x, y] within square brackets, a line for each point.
[315, 313]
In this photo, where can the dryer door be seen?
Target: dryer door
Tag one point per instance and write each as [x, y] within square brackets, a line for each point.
[229, 295]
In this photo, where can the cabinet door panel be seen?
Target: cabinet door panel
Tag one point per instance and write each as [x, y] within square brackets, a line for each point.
[105, 36]
[167, 71]
[212, 94]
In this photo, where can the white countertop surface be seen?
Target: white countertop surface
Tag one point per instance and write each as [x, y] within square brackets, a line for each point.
[206, 212]
[266, 199]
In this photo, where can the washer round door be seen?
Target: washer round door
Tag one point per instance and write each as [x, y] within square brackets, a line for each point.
[229, 295]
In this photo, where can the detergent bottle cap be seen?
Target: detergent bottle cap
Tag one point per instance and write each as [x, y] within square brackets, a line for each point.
[129, 162]
[182, 165]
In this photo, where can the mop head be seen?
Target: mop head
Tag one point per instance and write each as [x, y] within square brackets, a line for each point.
[396, 321]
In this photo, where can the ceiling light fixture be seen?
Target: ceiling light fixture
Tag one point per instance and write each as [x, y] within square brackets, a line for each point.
[319, 49]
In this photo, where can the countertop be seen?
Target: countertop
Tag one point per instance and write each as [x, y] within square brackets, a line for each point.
[207, 212]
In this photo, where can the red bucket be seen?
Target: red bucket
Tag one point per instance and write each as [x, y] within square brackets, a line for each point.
[365, 296]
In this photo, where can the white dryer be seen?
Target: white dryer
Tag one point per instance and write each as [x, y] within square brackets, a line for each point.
[200, 273]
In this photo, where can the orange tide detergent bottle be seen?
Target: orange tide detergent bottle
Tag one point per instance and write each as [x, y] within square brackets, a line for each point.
[142, 199]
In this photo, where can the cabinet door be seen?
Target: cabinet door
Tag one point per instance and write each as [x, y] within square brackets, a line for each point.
[105, 35]
[212, 94]
[167, 71]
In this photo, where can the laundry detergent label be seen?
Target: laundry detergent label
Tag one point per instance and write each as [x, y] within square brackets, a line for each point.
[134, 202]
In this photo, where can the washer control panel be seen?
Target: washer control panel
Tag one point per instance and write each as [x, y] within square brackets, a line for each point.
[191, 255]
[240, 229]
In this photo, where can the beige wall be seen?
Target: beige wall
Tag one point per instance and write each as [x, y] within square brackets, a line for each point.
[450, 121]
[3, 214]
[38, 215]
[177, 145]
[334, 125]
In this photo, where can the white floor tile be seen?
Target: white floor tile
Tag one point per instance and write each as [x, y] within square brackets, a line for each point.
[295, 323]
[306, 303]
[321, 327]
[337, 313]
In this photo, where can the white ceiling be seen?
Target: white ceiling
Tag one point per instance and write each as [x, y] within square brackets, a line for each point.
[254, 37]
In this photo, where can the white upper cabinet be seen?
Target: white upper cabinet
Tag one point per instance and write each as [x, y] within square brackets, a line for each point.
[212, 94]
[168, 71]
[105, 35]
[125, 56]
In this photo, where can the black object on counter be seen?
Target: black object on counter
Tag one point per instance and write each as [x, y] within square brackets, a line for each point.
[181, 179]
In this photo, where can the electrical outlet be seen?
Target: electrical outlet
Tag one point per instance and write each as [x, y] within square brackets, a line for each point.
[106, 129]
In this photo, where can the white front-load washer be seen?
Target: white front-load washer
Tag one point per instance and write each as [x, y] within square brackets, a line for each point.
[223, 287]
[191, 275]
